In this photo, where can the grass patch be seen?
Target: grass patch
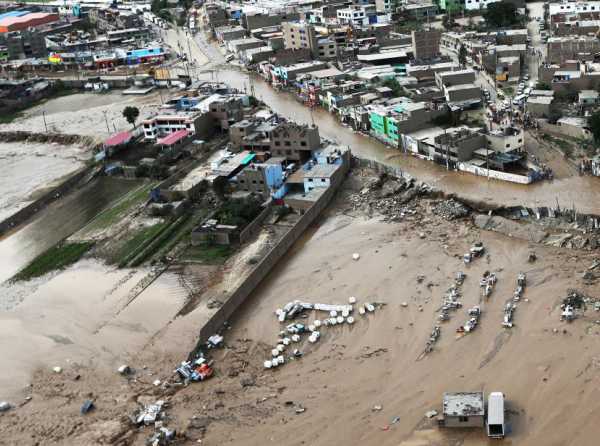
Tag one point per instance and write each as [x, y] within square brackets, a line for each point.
[208, 254]
[140, 238]
[58, 257]
[563, 145]
[508, 91]
[115, 213]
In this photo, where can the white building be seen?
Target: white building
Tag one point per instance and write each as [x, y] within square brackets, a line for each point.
[354, 15]
[471, 5]
[573, 7]
[164, 124]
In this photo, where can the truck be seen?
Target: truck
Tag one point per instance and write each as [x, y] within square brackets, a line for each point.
[495, 415]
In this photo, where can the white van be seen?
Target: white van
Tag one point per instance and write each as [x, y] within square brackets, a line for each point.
[495, 415]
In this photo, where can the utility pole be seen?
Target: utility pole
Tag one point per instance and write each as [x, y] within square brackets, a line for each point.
[44, 117]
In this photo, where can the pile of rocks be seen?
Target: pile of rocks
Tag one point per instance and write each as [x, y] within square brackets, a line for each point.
[451, 209]
[391, 197]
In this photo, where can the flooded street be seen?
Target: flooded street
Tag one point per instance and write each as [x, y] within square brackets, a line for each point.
[581, 192]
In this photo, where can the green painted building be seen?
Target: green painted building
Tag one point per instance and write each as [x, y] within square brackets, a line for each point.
[451, 5]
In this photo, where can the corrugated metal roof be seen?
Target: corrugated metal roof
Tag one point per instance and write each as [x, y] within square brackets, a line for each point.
[117, 139]
[173, 138]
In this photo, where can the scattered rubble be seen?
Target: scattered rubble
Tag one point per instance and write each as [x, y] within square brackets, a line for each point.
[471, 324]
[149, 414]
[124, 370]
[389, 197]
[161, 437]
[572, 305]
[451, 210]
[87, 406]
[511, 305]
[487, 283]
[451, 302]
[197, 371]
[338, 315]
[431, 413]
[476, 250]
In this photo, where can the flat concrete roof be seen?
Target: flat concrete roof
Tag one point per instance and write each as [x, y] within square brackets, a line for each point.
[459, 404]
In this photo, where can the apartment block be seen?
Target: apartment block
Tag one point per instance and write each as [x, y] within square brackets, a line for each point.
[426, 44]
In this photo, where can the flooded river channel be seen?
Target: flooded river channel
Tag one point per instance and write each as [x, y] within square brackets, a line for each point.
[583, 192]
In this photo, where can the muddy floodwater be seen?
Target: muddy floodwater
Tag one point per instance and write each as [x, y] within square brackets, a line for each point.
[28, 169]
[86, 314]
[579, 191]
[57, 222]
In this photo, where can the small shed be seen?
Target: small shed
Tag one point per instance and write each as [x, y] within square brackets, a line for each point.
[116, 142]
[173, 140]
[463, 409]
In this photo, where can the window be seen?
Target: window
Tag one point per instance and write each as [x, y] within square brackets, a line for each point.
[278, 143]
[310, 179]
[262, 182]
[303, 143]
[507, 146]
[323, 180]
[242, 181]
[463, 419]
[520, 140]
[286, 143]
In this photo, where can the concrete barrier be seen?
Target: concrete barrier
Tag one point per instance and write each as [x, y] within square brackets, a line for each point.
[31, 209]
[262, 269]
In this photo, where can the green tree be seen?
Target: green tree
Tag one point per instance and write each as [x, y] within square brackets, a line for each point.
[462, 55]
[394, 85]
[543, 86]
[500, 15]
[131, 114]
[448, 22]
[594, 124]
[220, 186]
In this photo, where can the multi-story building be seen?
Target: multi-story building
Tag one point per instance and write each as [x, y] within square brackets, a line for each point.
[298, 35]
[24, 44]
[421, 10]
[294, 141]
[163, 124]
[473, 5]
[261, 178]
[108, 19]
[426, 44]
[387, 6]
[353, 15]
[213, 15]
[561, 49]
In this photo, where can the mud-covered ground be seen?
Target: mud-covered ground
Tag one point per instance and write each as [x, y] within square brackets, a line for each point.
[362, 384]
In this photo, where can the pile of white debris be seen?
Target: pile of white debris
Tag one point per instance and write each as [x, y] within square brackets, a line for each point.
[294, 332]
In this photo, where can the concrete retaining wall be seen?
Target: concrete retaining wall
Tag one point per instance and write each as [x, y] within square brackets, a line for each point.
[255, 225]
[495, 174]
[262, 269]
[30, 210]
